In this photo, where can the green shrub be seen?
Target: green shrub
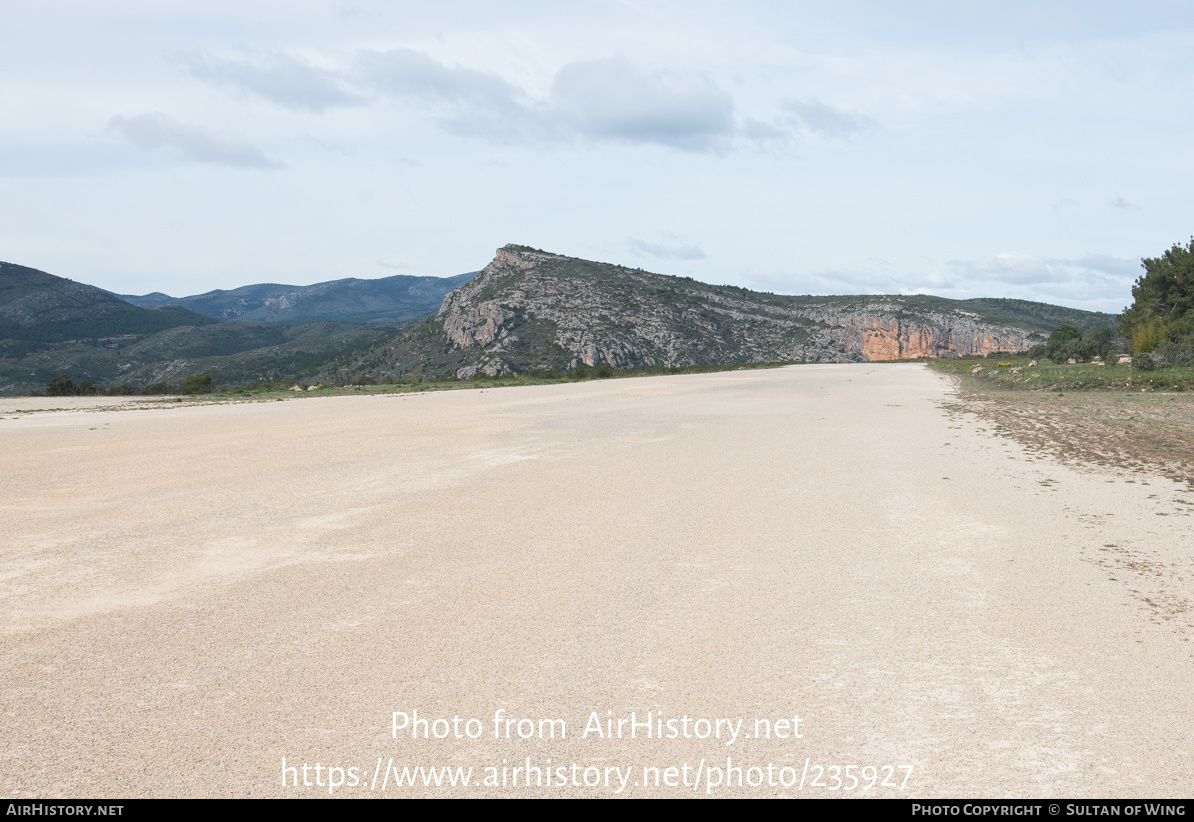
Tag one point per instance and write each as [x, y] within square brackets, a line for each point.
[1065, 342]
[1100, 343]
[61, 386]
[584, 372]
[198, 384]
[157, 388]
[1147, 362]
[1176, 352]
[1147, 335]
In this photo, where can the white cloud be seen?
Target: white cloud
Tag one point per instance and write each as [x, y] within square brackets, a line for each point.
[409, 73]
[828, 121]
[277, 77]
[760, 132]
[608, 100]
[613, 100]
[665, 250]
[223, 147]
[1024, 269]
[479, 124]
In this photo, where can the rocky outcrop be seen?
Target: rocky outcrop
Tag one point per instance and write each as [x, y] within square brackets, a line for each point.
[882, 337]
[530, 309]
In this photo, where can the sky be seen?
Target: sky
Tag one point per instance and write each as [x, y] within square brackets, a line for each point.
[1034, 150]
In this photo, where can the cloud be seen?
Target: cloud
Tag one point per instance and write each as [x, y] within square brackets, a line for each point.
[1124, 205]
[760, 132]
[829, 122]
[601, 101]
[277, 77]
[613, 100]
[1095, 281]
[665, 251]
[470, 102]
[203, 145]
[1024, 269]
[394, 266]
[408, 73]
[598, 101]
[331, 148]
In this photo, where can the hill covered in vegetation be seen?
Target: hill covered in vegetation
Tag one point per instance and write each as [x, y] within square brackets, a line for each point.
[51, 326]
[532, 310]
[387, 301]
[36, 307]
[527, 311]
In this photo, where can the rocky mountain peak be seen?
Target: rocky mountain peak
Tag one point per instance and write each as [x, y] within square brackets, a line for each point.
[530, 309]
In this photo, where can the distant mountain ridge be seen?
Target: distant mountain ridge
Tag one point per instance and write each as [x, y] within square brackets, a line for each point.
[530, 309]
[526, 310]
[42, 308]
[50, 325]
[388, 300]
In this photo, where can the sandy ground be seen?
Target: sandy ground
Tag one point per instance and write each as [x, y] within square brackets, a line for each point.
[192, 594]
[19, 405]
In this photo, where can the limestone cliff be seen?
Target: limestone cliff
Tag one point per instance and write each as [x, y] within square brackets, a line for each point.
[529, 309]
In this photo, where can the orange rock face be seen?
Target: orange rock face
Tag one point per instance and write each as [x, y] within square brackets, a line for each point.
[882, 339]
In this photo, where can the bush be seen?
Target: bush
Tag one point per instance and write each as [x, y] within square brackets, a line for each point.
[198, 384]
[157, 388]
[583, 372]
[1070, 349]
[61, 386]
[1176, 352]
[1147, 362]
[1065, 342]
[1147, 335]
[1101, 343]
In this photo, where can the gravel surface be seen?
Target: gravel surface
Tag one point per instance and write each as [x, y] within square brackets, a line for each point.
[192, 594]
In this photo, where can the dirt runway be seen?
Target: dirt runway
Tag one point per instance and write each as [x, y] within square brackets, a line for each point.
[201, 601]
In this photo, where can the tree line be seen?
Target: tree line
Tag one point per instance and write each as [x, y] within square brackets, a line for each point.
[64, 386]
[1159, 324]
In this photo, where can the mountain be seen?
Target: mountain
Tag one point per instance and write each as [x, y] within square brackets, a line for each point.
[526, 310]
[51, 325]
[36, 307]
[152, 300]
[389, 300]
[232, 353]
[530, 309]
